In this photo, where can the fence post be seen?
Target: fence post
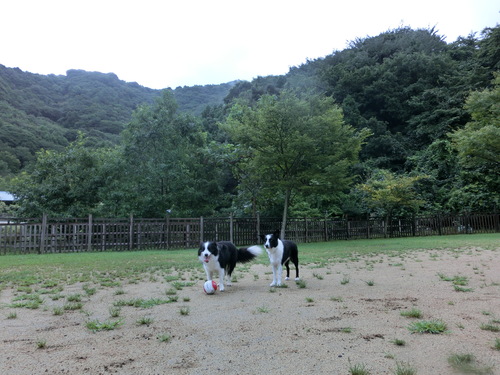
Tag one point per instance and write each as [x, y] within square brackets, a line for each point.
[131, 233]
[231, 234]
[202, 234]
[325, 229]
[89, 234]
[168, 232]
[258, 226]
[43, 236]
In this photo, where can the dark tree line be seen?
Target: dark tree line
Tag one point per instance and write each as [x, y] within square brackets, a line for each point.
[393, 124]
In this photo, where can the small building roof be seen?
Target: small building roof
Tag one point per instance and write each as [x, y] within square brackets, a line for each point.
[5, 196]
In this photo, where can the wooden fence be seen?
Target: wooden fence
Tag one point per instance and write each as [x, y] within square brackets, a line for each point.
[35, 236]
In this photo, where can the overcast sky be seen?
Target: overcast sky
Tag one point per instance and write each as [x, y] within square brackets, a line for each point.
[164, 43]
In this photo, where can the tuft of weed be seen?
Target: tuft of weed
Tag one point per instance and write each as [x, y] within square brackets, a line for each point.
[490, 327]
[41, 344]
[57, 311]
[496, 345]
[96, 325]
[413, 313]
[301, 284]
[145, 320]
[466, 364]
[404, 369]
[358, 369]
[12, 315]
[428, 326]
[399, 342]
[263, 309]
[345, 280]
[184, 310]
[115, 311]
[165, 337]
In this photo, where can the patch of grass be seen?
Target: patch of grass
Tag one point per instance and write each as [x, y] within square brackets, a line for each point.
[171, 292]
[301, 284]
[337, 299]
[26, 304]
[413, 313]
[115, 311]
[309, 300]
[57, 311]
[461, 289]
[399, 342]
[345, 280]
[74, 298]
[404, 369]
[466, 364]
[184, 310]
[72, 306]
[460, 280]
[428, 326]
[145, 303]
[370, 282]
[491, 326]
[165, 337]
[318, 276]
[496, 345]
[41, 344]
[88, 290]
[358, 369]
[263, 309]
[96, 325]
[145, 320]
[346, 330]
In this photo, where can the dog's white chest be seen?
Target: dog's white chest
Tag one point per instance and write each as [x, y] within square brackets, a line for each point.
[275, 254]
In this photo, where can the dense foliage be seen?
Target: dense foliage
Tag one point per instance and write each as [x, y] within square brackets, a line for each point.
[47, 112]
[393, 124]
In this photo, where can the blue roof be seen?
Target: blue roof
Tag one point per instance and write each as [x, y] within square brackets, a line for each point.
[5, 196]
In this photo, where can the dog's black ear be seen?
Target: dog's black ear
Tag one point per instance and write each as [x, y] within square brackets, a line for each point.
[277, 233]
[262, 237]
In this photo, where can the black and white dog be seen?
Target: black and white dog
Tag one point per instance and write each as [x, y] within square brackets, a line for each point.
[222, 257]
[281, 252]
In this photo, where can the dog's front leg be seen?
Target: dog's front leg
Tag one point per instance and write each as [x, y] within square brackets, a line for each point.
[209, 274]
[221, 280]
[279, 272]
[275, 271]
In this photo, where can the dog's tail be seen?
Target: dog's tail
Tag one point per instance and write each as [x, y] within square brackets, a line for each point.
[246, 254]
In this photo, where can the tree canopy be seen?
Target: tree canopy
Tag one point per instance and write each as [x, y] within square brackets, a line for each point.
[397, 123]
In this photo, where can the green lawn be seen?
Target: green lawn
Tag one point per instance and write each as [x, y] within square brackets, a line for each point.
[28, 270]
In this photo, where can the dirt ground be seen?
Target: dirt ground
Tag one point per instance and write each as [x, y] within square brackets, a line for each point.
[348, 314]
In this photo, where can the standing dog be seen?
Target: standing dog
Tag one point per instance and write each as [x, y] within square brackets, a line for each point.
[222, 257]
[281, 252]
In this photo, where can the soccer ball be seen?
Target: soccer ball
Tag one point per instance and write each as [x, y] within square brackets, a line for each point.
[210, 287]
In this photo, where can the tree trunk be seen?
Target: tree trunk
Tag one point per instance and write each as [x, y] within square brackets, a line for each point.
[285, 212]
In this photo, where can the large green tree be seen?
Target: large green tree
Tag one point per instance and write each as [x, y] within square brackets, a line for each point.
[169, 164]
[289, 145]
[62, 183]
[478, 149]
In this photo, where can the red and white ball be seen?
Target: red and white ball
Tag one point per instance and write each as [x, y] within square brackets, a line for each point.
[210, 287]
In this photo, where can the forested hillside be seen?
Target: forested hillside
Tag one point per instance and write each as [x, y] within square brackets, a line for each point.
[394, 124]
[38, 111]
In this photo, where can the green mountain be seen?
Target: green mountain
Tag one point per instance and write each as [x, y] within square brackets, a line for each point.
[47, 111]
